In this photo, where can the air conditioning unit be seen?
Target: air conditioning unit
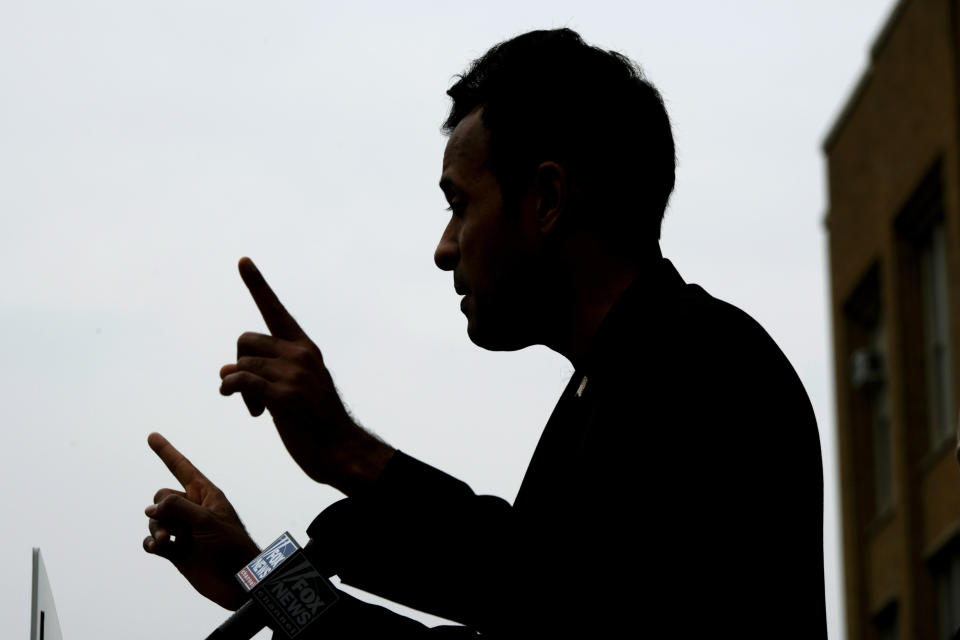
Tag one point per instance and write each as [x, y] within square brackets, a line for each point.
[866, 368]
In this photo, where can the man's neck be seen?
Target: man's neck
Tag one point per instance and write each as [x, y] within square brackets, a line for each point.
[595, 285]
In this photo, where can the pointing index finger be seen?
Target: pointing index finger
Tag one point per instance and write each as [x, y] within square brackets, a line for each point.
[181, 468]
[278, 319]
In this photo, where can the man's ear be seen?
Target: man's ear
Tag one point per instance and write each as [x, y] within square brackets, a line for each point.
[551, 192]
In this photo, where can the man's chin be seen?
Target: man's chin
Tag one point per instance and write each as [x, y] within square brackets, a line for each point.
[486, 337]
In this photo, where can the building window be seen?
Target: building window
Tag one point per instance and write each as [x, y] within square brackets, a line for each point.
[871, 423]
[887, 623]
[868, 377]
[882, 452]
[946, 573]
[933, 275]
[926, 306]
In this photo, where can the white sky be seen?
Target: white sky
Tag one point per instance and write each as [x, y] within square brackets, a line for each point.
[146, 146]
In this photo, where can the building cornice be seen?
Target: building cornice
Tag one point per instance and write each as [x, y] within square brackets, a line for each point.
[860, 88]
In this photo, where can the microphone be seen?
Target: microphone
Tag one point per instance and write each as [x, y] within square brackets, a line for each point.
[287, 593]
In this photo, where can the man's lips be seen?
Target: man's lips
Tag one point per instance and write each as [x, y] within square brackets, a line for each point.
[459, 287]
[461, 291]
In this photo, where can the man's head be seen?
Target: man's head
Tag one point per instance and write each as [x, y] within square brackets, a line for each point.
[549, 138]
[549, 96]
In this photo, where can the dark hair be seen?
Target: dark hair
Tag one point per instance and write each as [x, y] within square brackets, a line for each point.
[549, 96]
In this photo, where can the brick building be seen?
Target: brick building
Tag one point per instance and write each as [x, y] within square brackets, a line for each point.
[893, 225]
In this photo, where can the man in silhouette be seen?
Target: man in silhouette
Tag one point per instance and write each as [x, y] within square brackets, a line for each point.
[677, 485]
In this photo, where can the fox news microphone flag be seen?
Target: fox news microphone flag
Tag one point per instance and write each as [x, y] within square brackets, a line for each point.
[287, 593]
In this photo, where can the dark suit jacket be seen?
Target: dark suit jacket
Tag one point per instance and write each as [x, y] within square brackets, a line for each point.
[676, 490]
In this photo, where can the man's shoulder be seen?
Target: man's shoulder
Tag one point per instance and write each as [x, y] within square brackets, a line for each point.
[701, 319]
[687, 342]
[727, 337]
[685, 320]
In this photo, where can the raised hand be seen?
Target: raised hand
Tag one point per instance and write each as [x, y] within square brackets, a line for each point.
[211, 544]
[285, 373]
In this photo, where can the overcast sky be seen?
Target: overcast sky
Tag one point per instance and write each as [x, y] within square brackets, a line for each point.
[146, 146]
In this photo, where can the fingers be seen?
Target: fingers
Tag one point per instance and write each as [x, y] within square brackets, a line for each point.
[163, 493]
[179, 466]
[251, 343]
[150, 546]
[279, 321]
[164, 533]
[270, 369]
[251, 376]
[164, 547]
[249, 346]
[176, 511]
[254, 388]
[259, 344]
[171, 513]
[254, 406]
[160, 534]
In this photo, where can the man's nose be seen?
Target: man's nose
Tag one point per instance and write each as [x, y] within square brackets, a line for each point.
[447, 254]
